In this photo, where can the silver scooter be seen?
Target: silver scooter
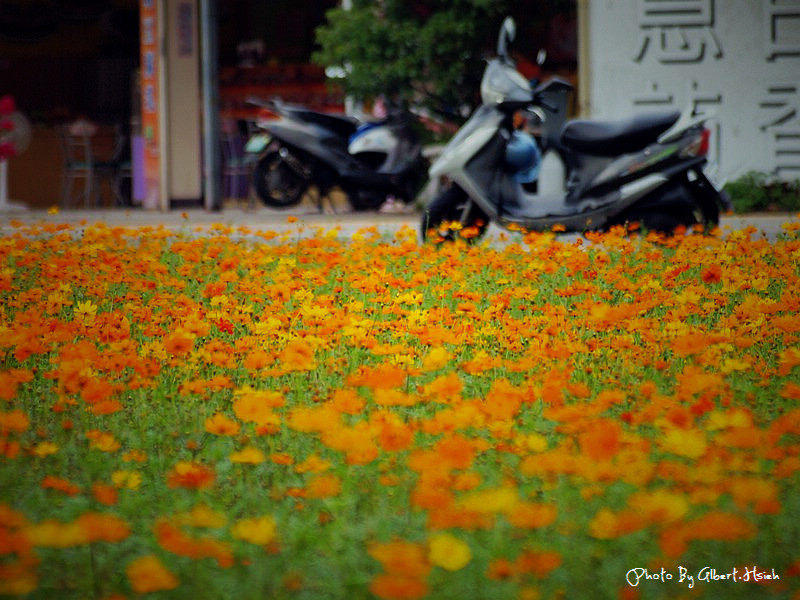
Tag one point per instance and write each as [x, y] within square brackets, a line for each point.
[647, 169]
[301, 148]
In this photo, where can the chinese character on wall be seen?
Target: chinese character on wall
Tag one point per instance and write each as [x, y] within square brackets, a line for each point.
[677, 31]
[781, 28]
[780, 118]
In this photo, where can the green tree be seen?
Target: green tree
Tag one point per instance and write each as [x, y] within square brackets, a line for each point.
[426, 51]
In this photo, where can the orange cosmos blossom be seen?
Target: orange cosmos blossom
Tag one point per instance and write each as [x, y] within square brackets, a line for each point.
[220, 424]
[62, 485]
[255, 406]
[15, 421]
[298, 355]
[398, 587]
[323, 486]
[192, 475]
[173, 539]
[179, 343]
[602, 441]
[148, 574]
[400, 557]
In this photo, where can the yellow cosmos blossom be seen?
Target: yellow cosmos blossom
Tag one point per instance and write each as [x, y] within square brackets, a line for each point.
[126, 479]
[103, 441]
[448, 552]
[436, 358]
[249, 455]
[201, 516]
[43, 449]
[258, 530]
[689, 443]
[660, 507]
[85, 311]
[495, 500]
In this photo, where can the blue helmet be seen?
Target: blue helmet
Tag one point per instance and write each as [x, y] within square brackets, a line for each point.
[523, 156]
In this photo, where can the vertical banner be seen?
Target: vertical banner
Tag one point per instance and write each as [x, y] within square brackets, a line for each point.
[150, 64]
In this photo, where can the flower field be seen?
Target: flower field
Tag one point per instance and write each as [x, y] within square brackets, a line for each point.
[252, 414]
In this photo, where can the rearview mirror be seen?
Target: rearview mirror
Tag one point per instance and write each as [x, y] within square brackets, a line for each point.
[508, 31]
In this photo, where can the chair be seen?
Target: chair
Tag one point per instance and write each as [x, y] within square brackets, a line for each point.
[236, 167]
[80, 163]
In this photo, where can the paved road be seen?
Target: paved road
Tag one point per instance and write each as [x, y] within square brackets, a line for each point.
[264, 219]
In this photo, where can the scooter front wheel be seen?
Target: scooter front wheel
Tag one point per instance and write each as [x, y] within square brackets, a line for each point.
[451, 216]
[277, 183]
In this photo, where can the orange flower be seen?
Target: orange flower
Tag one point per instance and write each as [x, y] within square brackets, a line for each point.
[323, 486]
[179, 342]
[530, 515]
[297, 356]
[104, 493]
[395, 436]
[172, 539]
[99, 527]
[718, 525]
[602, 441]
[398, 587]
[255, 406]
[192, 475]
[62, 485]
[712, 274]
[607, 525]
[147, 574]
[456, 451]
[220, 424]
[538, 562]
[15, 421]
[400, 557]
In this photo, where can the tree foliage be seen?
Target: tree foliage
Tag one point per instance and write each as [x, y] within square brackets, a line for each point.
[426, 51]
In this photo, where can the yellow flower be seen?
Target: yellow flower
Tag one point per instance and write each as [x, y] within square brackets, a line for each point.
[448, 552]
[99, 440]
[494, 500]
[249, 455]
[43, 449]
[126, 479]
[685, 442]
[85, 311]
[436, 358]
[258, 530]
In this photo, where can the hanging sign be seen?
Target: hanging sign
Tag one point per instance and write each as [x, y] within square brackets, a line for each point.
[150, 65]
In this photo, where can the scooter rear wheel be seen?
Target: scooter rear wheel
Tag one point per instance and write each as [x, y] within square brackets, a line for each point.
[451, 216]
[278, 184]
[684, 204]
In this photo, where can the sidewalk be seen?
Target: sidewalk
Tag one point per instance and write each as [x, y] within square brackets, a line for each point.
[258, 218]
[265, 219]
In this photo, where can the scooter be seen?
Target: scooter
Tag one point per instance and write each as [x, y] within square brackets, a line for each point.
[302, 148]
[647, 169]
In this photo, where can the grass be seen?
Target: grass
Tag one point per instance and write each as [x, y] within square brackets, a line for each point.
[248, 414]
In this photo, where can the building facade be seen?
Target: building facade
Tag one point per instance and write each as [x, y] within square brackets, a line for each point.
[739, 59]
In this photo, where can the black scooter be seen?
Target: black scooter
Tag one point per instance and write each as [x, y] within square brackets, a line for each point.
[647, 169]
[302, 148]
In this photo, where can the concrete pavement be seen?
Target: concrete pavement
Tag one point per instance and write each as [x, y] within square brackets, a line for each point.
[260, 218]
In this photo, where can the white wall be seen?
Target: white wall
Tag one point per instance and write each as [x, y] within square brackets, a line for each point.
[737, 58]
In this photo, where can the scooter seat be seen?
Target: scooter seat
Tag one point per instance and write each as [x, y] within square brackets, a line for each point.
[610, 138]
